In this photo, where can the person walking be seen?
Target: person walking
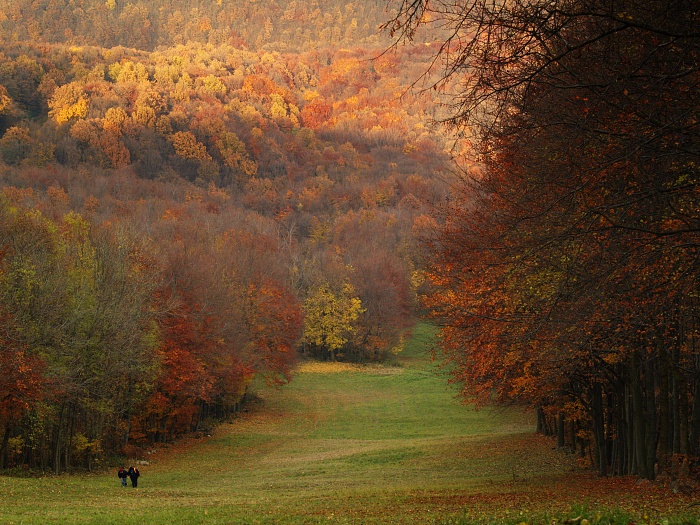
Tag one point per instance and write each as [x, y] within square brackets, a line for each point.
[122, 476]
[134, 476]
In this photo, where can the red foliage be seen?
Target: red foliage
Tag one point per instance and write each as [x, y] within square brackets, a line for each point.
[263, 86]
[316, 114]
[21, 383]
[184, 381]
[275, 324]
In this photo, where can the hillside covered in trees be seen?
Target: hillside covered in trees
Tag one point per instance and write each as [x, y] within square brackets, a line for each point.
[191, 208]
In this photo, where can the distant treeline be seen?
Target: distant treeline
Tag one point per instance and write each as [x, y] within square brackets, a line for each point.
[281, 24]
[175, 223]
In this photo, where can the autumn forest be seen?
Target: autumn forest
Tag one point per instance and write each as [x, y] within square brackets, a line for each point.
[197, 195]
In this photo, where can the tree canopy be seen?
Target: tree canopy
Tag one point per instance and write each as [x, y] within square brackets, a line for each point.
[173, 220]
[565, 270]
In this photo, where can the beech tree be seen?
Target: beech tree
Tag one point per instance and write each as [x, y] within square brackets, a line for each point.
[68, 101]
[15, 145]
[566, 269]
[330, 317]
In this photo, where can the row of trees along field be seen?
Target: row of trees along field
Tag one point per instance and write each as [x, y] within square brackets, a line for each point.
[566, 272]
[177, 222]
[111, 338]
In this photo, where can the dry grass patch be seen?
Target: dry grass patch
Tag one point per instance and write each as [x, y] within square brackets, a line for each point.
[318, 367]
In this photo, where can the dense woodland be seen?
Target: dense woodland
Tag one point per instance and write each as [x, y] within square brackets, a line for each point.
[177, 221]
[293, 25]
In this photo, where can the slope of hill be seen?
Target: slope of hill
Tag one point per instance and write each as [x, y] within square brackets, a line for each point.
[226, 197]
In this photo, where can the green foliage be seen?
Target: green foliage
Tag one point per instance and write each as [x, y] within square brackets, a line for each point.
[315, 142]
[60, 287]
[143, 332]
[104, 352]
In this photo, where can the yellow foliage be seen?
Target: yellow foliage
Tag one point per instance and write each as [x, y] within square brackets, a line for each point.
[234, 154]
[417, 279]
[310, 95]
[114, 119]
[5, 100]
[326, 367]
[319, 229]
[68, 101]
[257, 133]
[145, 116]
[343, 66]
[212, 85]
[330, 315]
[188, 147]
[128, 71]
[204, 24]
[82, 444]
[267, 59]
[278, 108]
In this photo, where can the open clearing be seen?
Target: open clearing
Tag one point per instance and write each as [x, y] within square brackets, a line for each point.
[344, 444]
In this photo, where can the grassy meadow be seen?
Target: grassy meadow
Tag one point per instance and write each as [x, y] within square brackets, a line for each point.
[350, 444]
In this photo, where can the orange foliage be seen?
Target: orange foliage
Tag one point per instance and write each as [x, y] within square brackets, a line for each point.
[275, 320]
[22, 384]
[263, 86]
[316, 114]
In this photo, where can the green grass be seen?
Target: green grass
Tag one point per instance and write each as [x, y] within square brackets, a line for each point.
[337, 445]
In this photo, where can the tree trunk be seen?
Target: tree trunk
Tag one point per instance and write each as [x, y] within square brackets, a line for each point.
[683, 409]
[572, 433]
[664, 411]
[695, 423]
[3, 448]
[631, 465]
[650, 419]
[561, 441]
[57, 444]
[599, 430]
[675, 416]
[638, 423]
